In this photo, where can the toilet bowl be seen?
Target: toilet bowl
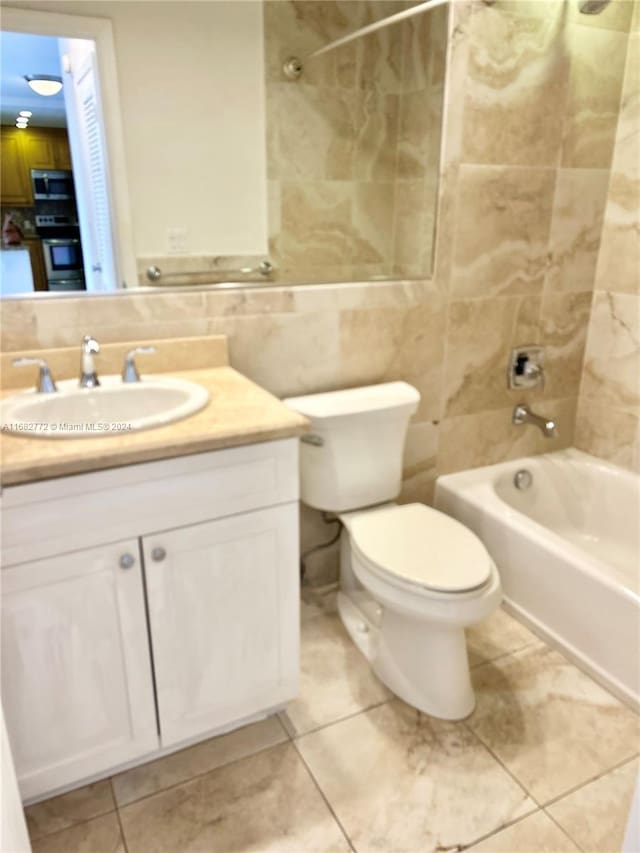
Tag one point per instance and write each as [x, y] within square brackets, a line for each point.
[411, 578]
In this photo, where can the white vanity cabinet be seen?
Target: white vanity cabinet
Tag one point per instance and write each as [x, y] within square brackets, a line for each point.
[76, 672]
[221, 603]
[185, 569]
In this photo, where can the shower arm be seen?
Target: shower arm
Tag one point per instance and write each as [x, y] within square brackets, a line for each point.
[294, 65]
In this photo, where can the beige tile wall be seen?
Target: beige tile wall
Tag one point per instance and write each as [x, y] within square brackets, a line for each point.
[528, 121]
[608, 423]
[354, 144]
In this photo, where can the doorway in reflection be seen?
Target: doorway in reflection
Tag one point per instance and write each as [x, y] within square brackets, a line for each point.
[57, 233]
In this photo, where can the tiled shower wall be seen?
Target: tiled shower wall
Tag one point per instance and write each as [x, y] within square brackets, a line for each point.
[609, 406]
[354, 143]
[531, 110]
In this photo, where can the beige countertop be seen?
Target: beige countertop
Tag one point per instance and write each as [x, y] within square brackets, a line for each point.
[239, 412]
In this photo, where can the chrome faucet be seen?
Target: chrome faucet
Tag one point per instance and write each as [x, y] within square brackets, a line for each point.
[88, 375]
[130, 371]
[522, 414]
[45, 385]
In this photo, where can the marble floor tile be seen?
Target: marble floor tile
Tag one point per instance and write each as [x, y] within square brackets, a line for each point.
[195, 760]
[77, 806]
[535, 834]
[335, 679]
[99, 835]
[549, 723]
[310, 610]
[596, 815]
[400, 781]
[498, 635]
[267, 802]
[318, 601]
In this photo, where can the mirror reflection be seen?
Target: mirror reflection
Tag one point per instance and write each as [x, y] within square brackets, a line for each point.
[354, 141]
[286, 141]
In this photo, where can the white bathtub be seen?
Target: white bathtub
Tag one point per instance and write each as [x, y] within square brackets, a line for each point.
[567, 549]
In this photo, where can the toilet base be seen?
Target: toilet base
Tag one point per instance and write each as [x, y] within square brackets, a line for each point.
[426, 666]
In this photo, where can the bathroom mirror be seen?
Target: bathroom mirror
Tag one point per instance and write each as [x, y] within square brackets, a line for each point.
[247, 145]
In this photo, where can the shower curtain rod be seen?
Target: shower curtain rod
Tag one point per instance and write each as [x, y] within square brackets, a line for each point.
[294, 65]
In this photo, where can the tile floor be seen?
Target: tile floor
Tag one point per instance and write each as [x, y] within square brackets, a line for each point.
[547, 762]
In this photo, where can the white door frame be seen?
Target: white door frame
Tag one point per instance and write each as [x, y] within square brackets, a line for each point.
[101, 31]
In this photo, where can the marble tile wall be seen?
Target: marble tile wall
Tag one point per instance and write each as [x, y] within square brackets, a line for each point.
[530, 117]
[353, 146]
[521, 202]
[608, 422]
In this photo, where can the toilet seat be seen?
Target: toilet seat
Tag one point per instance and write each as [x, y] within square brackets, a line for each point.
[417, 546]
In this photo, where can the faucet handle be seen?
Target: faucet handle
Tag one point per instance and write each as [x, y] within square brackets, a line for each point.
[129, 370]
[534, 373]
[90, 345]
[45, 385]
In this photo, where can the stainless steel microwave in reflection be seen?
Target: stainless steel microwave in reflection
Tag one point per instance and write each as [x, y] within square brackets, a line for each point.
[52, 185]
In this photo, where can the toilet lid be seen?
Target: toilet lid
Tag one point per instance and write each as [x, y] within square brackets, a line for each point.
[422, 546]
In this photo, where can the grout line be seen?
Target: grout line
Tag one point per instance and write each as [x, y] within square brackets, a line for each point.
[299, 735]
[77, 822]
[503, 765]
[71, 825]
[289, 734]
[563, 830]
[324, 797]
[119, 816]
[590, 781]
[193, 778]
[482, 838]
[504, 655]
[530, 646]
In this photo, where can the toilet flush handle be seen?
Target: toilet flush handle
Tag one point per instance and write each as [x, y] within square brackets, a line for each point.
[311, 438]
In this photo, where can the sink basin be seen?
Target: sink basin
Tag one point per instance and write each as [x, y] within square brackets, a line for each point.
[114, 408]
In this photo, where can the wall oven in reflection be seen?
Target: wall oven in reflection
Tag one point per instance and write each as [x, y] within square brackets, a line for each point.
[63, 263]
[52, 184]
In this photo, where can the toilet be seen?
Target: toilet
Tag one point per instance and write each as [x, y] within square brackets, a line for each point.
[411, 578]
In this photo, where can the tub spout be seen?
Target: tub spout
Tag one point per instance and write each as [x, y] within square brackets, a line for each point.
[523, 415]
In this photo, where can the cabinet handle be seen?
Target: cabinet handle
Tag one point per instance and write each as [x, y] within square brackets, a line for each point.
[127, 561]
[158, 554]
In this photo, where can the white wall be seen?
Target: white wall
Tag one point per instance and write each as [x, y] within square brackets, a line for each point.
[192, 92]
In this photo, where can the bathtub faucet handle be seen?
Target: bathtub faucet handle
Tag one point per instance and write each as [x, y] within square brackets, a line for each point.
[534, 372]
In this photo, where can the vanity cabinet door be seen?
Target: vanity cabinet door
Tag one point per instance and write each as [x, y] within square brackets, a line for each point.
[223, 608]
[76, 669]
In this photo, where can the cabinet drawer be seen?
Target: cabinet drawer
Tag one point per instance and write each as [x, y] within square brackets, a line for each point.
[58, 516]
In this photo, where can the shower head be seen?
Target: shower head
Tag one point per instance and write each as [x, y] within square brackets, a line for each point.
[592, 7]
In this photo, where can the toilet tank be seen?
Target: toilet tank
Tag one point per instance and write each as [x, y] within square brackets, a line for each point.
[352, 456]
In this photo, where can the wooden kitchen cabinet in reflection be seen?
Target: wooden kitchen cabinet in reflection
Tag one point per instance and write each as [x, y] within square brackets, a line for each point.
[15, 182]
[46, 148]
